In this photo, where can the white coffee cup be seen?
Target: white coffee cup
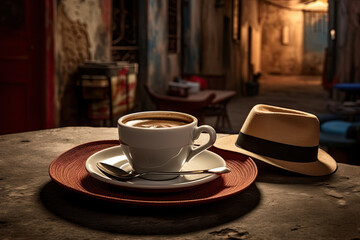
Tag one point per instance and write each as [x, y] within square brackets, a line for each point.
[161, 141]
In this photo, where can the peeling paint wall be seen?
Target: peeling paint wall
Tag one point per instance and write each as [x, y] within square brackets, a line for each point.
[162, 65]
[82, 32]
[212, 38]
[278, 25]
[250, 37]
[98, 24]
[191, 37]
[157, 44]
[315, 42]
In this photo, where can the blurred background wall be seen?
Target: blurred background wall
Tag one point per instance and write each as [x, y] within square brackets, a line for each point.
[43, 45]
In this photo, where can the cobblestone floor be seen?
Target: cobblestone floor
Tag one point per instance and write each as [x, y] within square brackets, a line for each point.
[303, 93]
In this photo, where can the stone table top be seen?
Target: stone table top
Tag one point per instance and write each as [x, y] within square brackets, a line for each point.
[278, 205]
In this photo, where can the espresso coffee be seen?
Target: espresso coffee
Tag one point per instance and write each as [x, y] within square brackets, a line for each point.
[155, 123]
[161, 141]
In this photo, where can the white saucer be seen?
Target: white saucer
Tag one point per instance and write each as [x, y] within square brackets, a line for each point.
[115, 156]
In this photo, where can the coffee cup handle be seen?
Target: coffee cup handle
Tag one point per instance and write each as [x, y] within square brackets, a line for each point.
[197, 131]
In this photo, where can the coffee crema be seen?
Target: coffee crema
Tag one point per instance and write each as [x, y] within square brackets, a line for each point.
[155, 123]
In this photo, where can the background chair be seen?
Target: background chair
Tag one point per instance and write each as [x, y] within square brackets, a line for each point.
[218, 110]
[340, 138]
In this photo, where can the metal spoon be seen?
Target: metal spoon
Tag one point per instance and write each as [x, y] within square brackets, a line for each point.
[122, 175]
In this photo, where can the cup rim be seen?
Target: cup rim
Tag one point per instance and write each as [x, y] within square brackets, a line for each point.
[144, 113]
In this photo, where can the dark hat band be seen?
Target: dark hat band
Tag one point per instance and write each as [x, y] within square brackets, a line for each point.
[277, 150]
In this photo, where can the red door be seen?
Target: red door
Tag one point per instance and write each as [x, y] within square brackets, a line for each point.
[22, 66]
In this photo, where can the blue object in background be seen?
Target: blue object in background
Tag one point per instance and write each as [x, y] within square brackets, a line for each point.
[336, 127]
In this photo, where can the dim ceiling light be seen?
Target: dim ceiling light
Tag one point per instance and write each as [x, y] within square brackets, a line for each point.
[309, 5]
[317, 5]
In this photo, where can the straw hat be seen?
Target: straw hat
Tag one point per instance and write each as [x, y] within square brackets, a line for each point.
[282, 137]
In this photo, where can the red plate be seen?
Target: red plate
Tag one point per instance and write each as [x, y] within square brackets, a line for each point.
[69, 171]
